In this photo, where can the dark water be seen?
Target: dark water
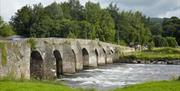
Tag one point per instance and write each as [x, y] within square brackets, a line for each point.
[118, 75]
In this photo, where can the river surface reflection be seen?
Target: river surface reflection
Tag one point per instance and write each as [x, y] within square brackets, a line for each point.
[118, 75]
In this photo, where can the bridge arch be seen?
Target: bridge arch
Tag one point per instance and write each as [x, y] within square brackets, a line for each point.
[59, 68]
[85, 57]
[36, 65]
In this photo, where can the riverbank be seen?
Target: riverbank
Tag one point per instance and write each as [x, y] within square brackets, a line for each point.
[29, 85]
[165, 55]
[153, 86]
[7, 85]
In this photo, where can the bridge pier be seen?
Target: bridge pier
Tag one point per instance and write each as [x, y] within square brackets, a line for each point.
[101, 57]
[68, 60]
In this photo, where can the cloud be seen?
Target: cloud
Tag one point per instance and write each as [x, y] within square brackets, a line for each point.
[152, 8]
[168, 14]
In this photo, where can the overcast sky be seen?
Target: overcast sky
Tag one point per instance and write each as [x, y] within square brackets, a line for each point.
[152, 8]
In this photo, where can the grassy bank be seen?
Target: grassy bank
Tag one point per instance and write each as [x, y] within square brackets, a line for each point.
[153, 86]
[155, 54]
[7, 85]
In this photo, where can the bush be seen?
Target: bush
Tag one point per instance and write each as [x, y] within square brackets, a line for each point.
[150, 45]
[122, 42]
[160, 41]
[172, 42]
[6, 30]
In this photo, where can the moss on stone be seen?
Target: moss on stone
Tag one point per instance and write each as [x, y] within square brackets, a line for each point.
[99, 44]
[32, 43]
[3, 53]
[67, 42]
[45, 42]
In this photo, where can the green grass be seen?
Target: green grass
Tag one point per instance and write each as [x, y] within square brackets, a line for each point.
[9, 85]
[22, 85]
[153, 86]
[156, 54]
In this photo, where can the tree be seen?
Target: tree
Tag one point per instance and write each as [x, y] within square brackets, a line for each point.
[32, 22]
[55, 11]
[5, 29]
[69, 29]
[87, 30]
[107, 32]
[133, 28]
[172, 42]
[72, 10]
[160, 41]
[76, 10]
[71, 19]
[41, 22]
[171, 28]
[114, 12]
[156, 28]
[101, 21]
[22, 21]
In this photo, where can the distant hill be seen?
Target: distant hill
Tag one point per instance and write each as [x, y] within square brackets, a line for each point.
[156, 20]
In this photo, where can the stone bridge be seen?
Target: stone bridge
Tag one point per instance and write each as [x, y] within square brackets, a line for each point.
[49, 58]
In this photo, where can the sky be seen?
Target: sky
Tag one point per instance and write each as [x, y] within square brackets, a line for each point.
[152, 8]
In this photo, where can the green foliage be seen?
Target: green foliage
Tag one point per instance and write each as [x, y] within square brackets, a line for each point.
[156, 54]
[133, 28]
[33, 85]
[3, 53]
[151, 45]
[165, 41]
[73, 20]
[122, 42]
[172, 42]
[160, 41]
[71, 35]
[171, 28]
[67, 20]
[156, 28]
[54, 11]
[87, 30]
[5, 29]
[153, 86]
[32, 43]
[22, 21]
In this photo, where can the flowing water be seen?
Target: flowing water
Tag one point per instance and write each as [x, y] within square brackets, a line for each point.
[118, 75]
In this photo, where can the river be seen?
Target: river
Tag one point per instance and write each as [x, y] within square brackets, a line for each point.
[119, 75]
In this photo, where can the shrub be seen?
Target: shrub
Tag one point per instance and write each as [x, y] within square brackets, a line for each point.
[150, 45]
[160, 41]
[172, 42]
[6, 30]
[32, 43]
[122, 42]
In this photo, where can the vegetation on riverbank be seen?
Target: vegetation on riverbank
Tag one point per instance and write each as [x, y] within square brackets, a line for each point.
[22, 85]
[164, 53]
[153, 86]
